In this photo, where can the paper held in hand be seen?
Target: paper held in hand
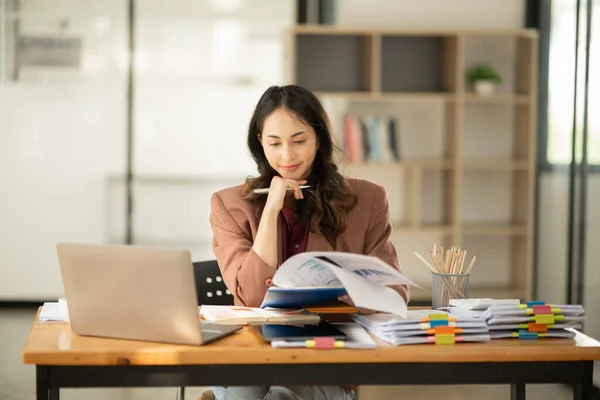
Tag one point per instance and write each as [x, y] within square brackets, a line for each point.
[364, 278]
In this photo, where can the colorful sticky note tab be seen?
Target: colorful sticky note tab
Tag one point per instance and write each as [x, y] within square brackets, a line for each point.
[438, 316]
[436, 323]
[533, 327]
[544, 319]
[444, 339]
[324, 343]
[527, 335]
[446, 330]
[537, 310]
[535, 303]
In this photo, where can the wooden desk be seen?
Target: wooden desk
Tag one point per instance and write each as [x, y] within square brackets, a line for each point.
[64, 360]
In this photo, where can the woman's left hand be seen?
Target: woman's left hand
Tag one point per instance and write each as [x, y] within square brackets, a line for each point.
[346, 299]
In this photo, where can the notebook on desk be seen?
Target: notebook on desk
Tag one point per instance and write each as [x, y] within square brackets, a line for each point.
[305, 296]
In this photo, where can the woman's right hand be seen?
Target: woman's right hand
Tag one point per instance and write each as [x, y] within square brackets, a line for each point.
[278, 190]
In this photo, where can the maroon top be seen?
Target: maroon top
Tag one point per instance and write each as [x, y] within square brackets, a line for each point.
[293, 235]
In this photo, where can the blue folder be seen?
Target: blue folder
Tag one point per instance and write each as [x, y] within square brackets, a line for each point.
[303, 297]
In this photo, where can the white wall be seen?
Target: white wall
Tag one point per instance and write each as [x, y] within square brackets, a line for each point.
[432, 14]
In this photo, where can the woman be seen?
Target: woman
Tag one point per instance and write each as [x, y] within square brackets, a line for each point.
[290, 140]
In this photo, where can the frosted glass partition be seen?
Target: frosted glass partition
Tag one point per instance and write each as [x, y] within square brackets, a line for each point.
[62, 133]
[202, 66]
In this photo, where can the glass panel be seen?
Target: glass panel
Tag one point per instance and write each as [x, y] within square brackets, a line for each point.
[561, 72]
[63, 135]
[201, 67]
[594, 88]
[591, 275]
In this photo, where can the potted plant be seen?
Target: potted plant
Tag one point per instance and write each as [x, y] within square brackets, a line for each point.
[483, 78]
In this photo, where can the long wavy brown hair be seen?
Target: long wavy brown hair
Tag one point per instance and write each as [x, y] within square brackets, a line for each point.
[329, 199]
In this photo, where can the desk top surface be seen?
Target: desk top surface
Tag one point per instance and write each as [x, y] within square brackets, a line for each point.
[53, 343]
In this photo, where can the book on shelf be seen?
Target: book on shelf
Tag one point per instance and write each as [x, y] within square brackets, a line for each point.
[319, 278]
[371, 138]
[239, 315]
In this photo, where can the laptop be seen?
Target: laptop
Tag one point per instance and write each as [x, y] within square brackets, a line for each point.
[134, 292]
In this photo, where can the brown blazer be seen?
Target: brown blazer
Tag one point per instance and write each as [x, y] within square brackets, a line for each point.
[234, 223]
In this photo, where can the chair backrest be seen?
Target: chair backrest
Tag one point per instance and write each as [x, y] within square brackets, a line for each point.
[210, 287]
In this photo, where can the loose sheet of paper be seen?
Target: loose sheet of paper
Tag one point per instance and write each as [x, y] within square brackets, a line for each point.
[371, 268]
[370, 295]
[304, 271]
[315, 269]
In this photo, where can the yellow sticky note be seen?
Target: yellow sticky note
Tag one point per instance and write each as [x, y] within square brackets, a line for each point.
[438, 316]
[444, 338]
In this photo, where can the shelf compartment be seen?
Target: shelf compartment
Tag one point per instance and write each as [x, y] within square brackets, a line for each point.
[495, 229]
[498, 98]
[496, 164]
[334, 63]
[404, 228]
[414, 64]
[423, 163]
[391, 96]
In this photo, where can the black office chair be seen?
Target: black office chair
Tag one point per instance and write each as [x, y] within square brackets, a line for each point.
[211, 290]
[210, 287]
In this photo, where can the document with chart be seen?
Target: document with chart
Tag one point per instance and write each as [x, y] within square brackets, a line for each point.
[318, 278]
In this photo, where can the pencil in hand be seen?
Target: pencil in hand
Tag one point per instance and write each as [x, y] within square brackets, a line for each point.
[266, 190]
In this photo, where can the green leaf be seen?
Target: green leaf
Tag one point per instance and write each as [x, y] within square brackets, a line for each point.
[482, 71]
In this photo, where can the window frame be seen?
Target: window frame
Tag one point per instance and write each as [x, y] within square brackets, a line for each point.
[538, 15]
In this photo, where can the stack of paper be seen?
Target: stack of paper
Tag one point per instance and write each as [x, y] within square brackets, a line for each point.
[533, 320]
[234, 315]
[51, 313]
[476, 307]
[424, 326]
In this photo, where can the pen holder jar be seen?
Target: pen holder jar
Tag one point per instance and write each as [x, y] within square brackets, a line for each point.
[448, 286]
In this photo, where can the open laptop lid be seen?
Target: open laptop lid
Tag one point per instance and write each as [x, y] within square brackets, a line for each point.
[130, 292]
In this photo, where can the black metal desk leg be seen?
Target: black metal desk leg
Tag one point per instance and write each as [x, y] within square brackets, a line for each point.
[41, 378]
[517, 391]
[54, 394]
[583, 391]
[43, 385]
